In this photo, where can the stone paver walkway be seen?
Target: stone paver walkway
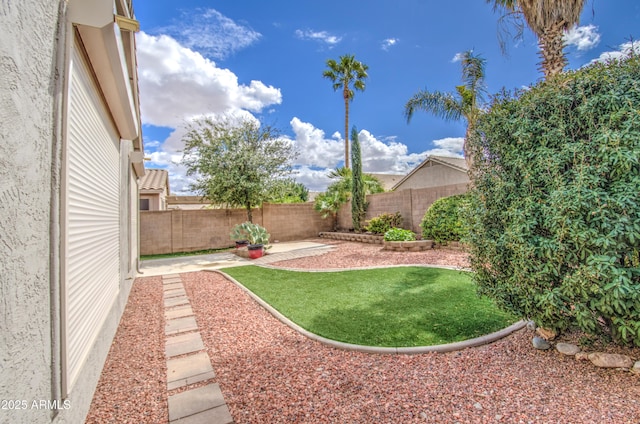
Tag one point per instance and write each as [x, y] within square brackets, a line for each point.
[187, 360]
[188, 363]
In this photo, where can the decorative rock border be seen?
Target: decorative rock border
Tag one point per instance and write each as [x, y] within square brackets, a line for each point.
[361, 238]
[408, 246]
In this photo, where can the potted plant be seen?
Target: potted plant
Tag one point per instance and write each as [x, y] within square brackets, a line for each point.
[256, 235]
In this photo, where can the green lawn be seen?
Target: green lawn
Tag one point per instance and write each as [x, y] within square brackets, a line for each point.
[396, 307]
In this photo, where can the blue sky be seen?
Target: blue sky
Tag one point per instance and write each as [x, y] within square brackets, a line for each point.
[265, 59]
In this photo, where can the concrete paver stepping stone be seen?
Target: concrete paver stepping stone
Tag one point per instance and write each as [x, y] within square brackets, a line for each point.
[170, 276]
[176, 301]
[201, 405]
[188, 370]
[171, 286]
[174, 293]
[182, 344]
[180, 325]
[178, 312]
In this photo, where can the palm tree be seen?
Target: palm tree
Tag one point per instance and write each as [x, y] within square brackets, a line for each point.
[466, 104]
[346, 74]
[548, 19]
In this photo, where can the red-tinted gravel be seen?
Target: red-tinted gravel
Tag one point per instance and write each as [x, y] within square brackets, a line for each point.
[133, 384]
[270, 374]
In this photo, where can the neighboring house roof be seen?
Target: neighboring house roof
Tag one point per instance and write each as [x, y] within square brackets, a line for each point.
[154, 181]
[459, 164]
[388, 180]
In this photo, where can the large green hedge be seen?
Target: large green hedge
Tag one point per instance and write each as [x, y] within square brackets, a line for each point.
[555, 215]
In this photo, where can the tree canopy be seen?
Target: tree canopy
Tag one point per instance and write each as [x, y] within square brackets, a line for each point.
[554, 209]
[236, 162]
[548, 19]
[346, 75]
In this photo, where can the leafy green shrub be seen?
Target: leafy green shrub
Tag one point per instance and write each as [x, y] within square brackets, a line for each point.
[399, 234]
[444, 220]
[555, 209]
[384, 222]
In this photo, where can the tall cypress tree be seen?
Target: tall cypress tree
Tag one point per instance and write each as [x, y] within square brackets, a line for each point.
[357, 187]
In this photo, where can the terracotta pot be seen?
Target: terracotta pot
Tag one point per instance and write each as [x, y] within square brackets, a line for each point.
[241, 243]
[255, 251]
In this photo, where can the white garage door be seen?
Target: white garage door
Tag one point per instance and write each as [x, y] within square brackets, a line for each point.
[92, 216]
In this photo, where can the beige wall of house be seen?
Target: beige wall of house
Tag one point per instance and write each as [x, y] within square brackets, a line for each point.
[35, 57]
[153, 202]
[434, 175]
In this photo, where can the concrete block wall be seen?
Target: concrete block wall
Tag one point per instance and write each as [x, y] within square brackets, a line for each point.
[293, 221]
[411, 203]
[186, 230]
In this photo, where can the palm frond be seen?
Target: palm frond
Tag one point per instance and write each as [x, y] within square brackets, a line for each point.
[443, 105]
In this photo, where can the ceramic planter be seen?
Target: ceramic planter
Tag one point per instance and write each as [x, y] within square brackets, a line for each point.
[255, 251]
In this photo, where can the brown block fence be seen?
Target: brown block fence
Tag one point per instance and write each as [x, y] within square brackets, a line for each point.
[411, 203]
[180, 230]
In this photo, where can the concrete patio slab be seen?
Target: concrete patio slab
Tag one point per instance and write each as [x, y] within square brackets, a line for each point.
[188, 370]
[183, 344]
[201, 405]
[176, 301]
[178, 312]
[180, 325]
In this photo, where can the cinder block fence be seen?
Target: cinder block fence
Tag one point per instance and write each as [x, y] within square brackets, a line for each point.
[178, 230]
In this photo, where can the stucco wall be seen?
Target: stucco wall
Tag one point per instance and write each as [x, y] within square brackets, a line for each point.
[32, 71]
[28, 88]
[434, 175]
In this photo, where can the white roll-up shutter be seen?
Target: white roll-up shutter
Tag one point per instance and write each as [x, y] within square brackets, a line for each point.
[92, 269]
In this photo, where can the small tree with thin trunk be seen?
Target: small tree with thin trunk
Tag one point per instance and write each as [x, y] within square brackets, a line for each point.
[237, 162]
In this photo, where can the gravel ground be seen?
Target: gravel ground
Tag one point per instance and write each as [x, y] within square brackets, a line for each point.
[270, 374]
[133, 384]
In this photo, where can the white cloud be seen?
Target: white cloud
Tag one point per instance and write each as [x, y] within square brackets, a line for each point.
[211, 33]
[319, 155]
[624, 50]
[316, 150]
[177, 84]
[582, 37]
[321, 36]
[457, 57]
[388, 43]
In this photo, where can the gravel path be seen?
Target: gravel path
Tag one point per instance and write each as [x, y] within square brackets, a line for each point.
[133, 383]
[270, 374]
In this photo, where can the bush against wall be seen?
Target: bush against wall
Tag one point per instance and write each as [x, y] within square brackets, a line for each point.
[555, 215]
[444, 220]
[384, 222]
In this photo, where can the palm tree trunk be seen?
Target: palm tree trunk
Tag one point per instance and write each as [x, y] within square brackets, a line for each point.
[551, 50]
[346, 127]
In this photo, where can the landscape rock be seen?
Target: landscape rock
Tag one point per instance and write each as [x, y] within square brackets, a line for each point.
[546, 333]
[567, 348]
[582, 356]
[540, 343]
[636, 368]
[610, 360]
[531, 325]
